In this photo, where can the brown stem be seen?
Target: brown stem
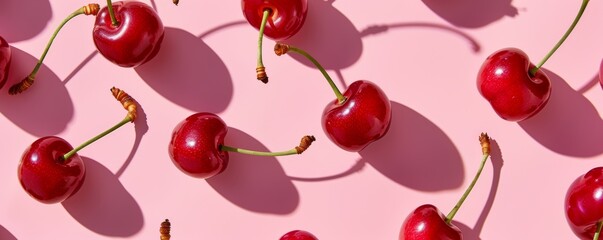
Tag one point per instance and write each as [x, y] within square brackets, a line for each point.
[128, 102]
[165, 230]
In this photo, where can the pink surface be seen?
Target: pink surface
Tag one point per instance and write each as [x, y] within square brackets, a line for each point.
[425, 56]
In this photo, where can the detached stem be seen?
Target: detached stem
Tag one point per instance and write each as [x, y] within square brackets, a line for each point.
[567, 33]
[281, 48]
[97, 137]
[485, 141]
[90, 9]
[304, 144]
[598, 232]
[111, 13]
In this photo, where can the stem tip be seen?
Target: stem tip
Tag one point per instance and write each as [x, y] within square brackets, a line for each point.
[261, 74]
[281, 48]
[128, 102]
[21, 86]
[484, 140]
[165, 230]
[91, 9]
[305, 143]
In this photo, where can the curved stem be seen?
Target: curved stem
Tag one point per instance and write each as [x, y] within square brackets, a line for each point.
[485, 141]
[127, 119]
[304, 144]
[567, 33]
[111, 13]
[260, 69]
[598, 232]
[282, 48]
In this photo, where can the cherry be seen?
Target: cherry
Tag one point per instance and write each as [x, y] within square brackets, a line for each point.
[584, 204]
[515, 88]
[90, 9]
[197, 146]
[51, 171]
[278, 20]
[298, 235]
[358, 117]
[128, 33]
[427, 222]
[5, 59]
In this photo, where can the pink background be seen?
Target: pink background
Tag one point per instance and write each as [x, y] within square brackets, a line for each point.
[424, 54]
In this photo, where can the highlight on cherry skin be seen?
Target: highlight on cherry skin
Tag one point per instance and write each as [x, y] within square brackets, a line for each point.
[584, 204]
[515, 88]
[23, 85]
[51, 170]
[356, 118]
[278, 20]
[197, 146]
[5, 60]
[128, 33]
[298, 235]
[427, 222]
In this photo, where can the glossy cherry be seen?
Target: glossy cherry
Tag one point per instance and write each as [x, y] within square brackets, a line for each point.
[298, 235]
[51, 171]
[358, 117]
[133, 37]
[504, 80]
[427, 222]
[5, 60]
[516, 88]
[285, 18]
[584, 204]
[277, 20]
[197, 146]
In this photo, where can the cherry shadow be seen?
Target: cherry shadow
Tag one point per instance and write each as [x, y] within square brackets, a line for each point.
[416, 153]
[257, 184]
[569, 124]
[141, 128]
[23, 20]
[334, 50]
[45, 108]
[497, 164]
[359, 165]
[5, 234]
[187, 72]
[472, 13]
[384, 28]
[103, 205]
[594, 82]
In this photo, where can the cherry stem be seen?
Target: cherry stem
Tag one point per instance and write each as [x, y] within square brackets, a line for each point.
[598, 232]
[90, 9]
[567, 33]
[485, 142]
[128, 103]
[175, 2]
[304, 144]
[260, 69]
[111, 13]
[281, 49]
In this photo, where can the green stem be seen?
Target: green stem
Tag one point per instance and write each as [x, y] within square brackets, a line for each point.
[127, 119]
[257, 153]
[111, 13]
[598, 232]
[261, 37]
[567, 33]
[460, 202]
[33, 73]
[340, 97]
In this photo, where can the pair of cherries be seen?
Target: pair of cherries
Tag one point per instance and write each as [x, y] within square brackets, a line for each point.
[127, 33]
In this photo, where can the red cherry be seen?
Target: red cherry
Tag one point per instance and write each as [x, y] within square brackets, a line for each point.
[426, 223]
[197, 146]
[52, 171]
[298, 235]
[584, 203]
[516, 88]
[285, 19]
[45, 175]
[504, 80]
[361, 119]
[134, 40]
[5, 59]
[356, 118]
